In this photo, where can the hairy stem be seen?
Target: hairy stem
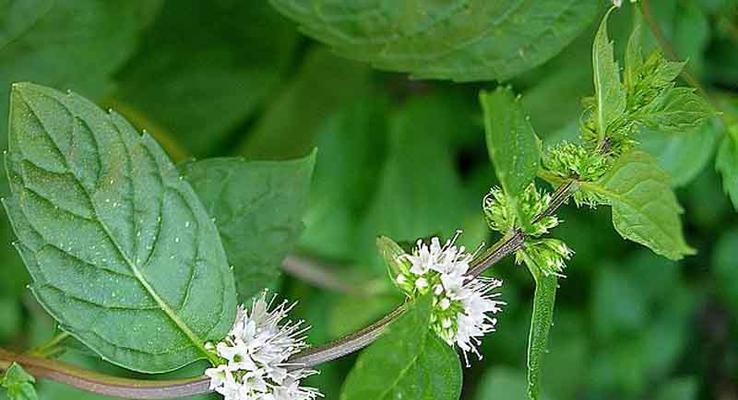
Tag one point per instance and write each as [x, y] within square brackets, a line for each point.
[168, 389]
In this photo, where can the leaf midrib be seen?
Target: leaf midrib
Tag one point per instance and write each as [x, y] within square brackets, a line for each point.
[199, 343]
[405, 369]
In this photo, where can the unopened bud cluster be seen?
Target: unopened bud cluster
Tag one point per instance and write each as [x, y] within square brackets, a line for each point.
[548, 255]
[502, 217]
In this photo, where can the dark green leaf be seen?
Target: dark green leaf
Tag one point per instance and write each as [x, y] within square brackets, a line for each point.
[609, 92]
[724, 267]
[407, 362]
[120, 249]
[351, 147]
[257, 207]
[459, 40]
[203, 68]
[18, 383]
[727, 164]
[71, 44]
[644, 208]
[292, 119]
[419, 191]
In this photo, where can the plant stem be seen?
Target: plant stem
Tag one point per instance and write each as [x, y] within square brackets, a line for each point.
[319, 275]
[168, 389]
[45, 349]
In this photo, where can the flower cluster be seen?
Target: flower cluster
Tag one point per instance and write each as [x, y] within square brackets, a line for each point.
[254, 356]
[463, 306]
[502, 217]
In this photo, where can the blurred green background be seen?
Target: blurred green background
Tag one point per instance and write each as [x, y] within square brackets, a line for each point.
[407, 159]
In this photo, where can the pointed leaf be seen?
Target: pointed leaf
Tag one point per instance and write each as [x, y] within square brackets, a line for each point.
[609, 93]
[257, 207]
[541, 319]
[512, 144]
[121, 251]
[407, 362]
[677, 110]
[644, 208]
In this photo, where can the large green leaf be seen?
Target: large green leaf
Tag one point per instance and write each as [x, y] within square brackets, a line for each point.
[683, 155]
[120, 249]
[512, 144]
[644, 208]
[202, 59]
[257, 207]
[609, 92]
[407, 362]
[459, 40]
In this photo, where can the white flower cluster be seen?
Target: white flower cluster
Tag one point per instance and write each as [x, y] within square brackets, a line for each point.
[255, 355]
[463, 306]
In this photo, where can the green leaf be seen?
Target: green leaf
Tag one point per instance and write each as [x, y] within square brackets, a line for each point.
[18, 383]
[609, 93]
[76, 45]
[459, 40]
[121, 251]
[683, 155]
[257, 207]
[352, 144]
[182, 77]
[678, 109]
[644, 208]
[391, 253]
[293, 117]
[634, 56]
[512, 144]
[407, 362]
[727, 164]
[541, 320]
[420, 192]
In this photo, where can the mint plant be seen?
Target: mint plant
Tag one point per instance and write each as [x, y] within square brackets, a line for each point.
[192, 276]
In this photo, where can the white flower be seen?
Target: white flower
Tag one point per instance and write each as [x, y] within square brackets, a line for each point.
[255, 356]
[463, 306]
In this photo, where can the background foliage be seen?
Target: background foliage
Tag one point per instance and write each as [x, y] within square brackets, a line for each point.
[407, 158]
